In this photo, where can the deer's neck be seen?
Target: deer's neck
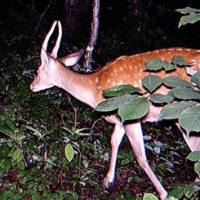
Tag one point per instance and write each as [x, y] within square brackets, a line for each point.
[81, 86]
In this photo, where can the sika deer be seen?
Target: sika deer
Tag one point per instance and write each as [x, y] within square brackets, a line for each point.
[88, 88]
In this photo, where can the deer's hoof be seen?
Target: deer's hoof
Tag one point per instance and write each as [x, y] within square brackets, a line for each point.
[108, 182]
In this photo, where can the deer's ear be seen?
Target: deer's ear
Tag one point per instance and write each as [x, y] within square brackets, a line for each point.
[44, 57]
[72, 59]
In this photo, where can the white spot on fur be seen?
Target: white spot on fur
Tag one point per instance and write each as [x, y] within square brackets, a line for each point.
[130, 67]
[108, 81]
[97, 80]
[144, 59]
[162, 58]
[113, 83]
[120, 82]
[121, 69]
[115, 71]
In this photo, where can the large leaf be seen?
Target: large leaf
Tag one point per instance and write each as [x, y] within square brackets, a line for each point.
[188, 10]
[194, 156]
[135, 109]
[154, 64]
[120, 90]
[196, 78]
[179, 60]
[69, 152]
[177, 192]
[189, 19]
[157, 64]
[151, 82]
[160, 98]
[197, 168]
[173, 110]
[175, 81]
[169, 67]
[186, 93]
[189, 119]
[149, 196]
[113, 103]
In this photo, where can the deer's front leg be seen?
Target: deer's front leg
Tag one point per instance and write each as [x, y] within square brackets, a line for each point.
[116, 139]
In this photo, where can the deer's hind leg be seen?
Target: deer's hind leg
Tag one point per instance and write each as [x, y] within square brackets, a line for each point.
[135, 136]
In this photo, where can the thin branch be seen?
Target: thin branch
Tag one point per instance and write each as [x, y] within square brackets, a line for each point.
[45, 11]
[93, 35]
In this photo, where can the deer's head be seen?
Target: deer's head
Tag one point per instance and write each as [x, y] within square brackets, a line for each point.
[48, 69]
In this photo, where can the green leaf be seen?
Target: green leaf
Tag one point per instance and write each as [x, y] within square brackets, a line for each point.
[157, 64]
[151, 82]
[11, 125]
[194, 156]
[196, 78]
[17, 155]
[179, 60]
[113, 103]
[187, 10]
[85, 163]
[35, 131]
[135, 109]
[175, 81]
[173, 110]
[171, 198]
[197, 168]
[189, 190]
[189, 119]
[154, 64]
[74, 195]
[189, 19]
[7, 131]
[69, 152]
[186, 93]
[178, 192]
[149, 196]
[160, 98]
[169, 67]
[120, 90]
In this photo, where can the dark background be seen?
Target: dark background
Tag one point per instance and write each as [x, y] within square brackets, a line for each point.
[126, 27]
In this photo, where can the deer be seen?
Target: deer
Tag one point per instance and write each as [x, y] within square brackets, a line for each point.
[88, 88]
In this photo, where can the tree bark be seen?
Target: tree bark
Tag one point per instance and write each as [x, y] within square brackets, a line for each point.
[93, 36]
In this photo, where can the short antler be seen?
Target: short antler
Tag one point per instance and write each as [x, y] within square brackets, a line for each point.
[46, 40]
[49, 34]
[57, 45]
